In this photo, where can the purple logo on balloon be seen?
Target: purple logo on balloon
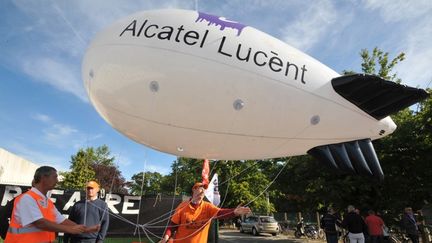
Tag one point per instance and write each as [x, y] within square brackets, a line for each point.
[213, 19]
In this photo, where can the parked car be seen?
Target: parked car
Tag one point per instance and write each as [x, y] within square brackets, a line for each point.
[260, 224]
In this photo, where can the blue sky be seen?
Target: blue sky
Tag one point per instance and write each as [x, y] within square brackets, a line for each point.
[45, 115]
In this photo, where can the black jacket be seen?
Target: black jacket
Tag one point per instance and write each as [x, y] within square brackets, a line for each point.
[354, 223]
[409, 224]
[329, 222]
[5, 215]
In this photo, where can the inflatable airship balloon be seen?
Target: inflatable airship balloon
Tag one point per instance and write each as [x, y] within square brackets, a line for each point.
[197, 85]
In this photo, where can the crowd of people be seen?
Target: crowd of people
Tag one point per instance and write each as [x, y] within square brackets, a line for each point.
[371, 228]
[35, 219]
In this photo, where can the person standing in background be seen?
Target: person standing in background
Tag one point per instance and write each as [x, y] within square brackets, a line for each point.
[329, 222]
[375, 227]
[410, 225]
[424, 231]
[355, 225]
[89, 211]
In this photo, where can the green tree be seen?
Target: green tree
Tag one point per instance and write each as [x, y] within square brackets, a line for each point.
[377, 63]
[405, 157]
[81, 171]
[102, 155]
[186, 172]
[107, 173]
[110, 178]
[241, 182]
[149, 181]
[94, 164]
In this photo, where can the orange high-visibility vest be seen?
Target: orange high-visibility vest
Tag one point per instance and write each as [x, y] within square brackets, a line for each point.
[19, 234]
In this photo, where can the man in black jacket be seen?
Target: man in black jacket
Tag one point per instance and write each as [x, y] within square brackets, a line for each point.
[355, 225]
[410, 225]
[328, 223]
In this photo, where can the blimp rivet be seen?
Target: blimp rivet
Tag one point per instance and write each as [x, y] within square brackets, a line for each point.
[238, 104]
[180, 149]
[315, 120]
[154, 86]
[91, 73]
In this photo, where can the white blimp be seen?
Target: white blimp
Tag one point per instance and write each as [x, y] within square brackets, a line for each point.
[197, 85]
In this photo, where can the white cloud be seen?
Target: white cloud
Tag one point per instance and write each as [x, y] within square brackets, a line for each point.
[416, 68]
[164, 170]
[122, 160]
[36, 156]
[57, 73]
[54, 130]
[82, 140]
[62, 135]
[58, 134]
[398, 10]
[42, 117]
[311, 25]
[414, 36]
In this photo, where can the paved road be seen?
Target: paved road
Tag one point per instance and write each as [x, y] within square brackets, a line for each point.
[234, 236]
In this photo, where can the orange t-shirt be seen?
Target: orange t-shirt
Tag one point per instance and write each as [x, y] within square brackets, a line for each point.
[193, 223]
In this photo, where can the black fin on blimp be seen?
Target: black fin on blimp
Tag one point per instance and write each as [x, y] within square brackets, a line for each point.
[376, 96]
[355, 157]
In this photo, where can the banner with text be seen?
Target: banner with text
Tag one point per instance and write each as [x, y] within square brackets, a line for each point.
[125, 210]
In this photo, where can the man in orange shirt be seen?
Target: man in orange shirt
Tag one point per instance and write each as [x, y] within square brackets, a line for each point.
[191, 220]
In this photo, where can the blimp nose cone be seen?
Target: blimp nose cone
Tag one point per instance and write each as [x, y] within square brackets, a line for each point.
[391, 125]
[387, 126]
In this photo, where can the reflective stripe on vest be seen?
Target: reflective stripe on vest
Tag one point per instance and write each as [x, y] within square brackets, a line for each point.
[19, 234]
[23, 230]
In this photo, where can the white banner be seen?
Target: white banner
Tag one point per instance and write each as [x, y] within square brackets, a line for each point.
[212, 192]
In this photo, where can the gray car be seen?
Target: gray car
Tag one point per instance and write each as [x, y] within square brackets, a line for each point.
[260, 224]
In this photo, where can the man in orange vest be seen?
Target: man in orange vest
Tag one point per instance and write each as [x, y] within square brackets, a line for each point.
[191, 220]
[35, 219]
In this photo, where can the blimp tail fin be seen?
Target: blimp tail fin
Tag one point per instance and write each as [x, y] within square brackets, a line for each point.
[376, 96]
[355, 157]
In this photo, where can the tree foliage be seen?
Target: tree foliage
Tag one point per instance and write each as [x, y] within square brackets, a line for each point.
[243, 183]
[240, 182]
[110, 178]
[81, 171]
[101, 155]
[377, 63]
[94, 164]
[148, 183]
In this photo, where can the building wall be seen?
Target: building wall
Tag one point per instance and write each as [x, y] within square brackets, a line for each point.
[15, 170]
